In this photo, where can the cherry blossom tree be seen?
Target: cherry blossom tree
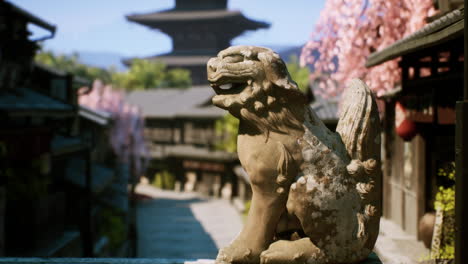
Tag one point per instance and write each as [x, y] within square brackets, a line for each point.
[126, 136]
[348, 31]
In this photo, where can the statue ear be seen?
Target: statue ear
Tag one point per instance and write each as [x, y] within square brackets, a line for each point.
[277, 73]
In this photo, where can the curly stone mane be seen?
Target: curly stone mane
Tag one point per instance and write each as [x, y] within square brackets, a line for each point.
[262, 91]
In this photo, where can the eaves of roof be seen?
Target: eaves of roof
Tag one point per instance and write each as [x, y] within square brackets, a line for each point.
[446, 28]
[96, 116]
[27, 102]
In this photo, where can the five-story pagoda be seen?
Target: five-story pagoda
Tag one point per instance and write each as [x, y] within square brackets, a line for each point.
[199, 30]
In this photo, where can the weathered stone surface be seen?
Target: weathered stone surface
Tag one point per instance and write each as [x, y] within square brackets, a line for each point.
[102, 261]
[373, 259]
[316, 193]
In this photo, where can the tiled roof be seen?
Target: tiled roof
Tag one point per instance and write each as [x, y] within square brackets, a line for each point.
[24, 101]
[191, 103]
[326, 110]
[172, 103]
[179, 61]
[190, 151]
[172, 15]
[28, 16]
[202, 112]
[157, 19]
[197, 58]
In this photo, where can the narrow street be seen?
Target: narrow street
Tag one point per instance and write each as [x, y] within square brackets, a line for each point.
[183, 225]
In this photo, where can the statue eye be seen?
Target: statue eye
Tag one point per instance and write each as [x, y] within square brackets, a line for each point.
[234, 58]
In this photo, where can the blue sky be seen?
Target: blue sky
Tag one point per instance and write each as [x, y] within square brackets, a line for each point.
[100, 26]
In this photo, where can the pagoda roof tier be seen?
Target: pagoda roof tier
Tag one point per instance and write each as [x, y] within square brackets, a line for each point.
[175, 60]
[170, 18]
[179, 61]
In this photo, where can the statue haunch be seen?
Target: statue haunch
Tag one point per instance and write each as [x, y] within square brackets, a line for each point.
[316, 193]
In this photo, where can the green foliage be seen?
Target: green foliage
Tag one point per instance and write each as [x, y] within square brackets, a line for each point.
[113, 227]
[142, 74]
[445, 202]
[164, 180]
[298, 73]
[70, 64]
[226, 129]
[177, 77]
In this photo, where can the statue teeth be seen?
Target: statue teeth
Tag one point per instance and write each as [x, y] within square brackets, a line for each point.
[226, 86]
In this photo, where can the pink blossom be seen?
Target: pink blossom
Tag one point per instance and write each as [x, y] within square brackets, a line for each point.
[126, 137]
[350, 30]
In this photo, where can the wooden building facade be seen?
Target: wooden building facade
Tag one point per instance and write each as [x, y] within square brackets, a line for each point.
[57, 172]
[419, 117]
[181, 138]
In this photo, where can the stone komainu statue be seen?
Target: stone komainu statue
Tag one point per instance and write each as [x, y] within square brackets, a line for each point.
[316, 193]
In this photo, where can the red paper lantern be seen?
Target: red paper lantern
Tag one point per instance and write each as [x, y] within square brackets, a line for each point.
[405, 128]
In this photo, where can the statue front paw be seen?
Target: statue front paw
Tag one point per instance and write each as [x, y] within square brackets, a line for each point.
[276, 254]
[300, 251]
[237, 253]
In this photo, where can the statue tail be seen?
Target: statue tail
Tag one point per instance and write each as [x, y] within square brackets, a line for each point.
[359, 128]
[359, 124]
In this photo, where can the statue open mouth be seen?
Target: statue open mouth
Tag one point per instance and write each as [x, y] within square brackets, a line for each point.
[229, 88]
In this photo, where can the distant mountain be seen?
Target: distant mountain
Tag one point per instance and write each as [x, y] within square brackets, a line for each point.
[287, 52]
[102, 59]
[108, 59]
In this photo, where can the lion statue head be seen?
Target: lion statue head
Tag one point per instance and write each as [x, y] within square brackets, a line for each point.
[253, 83]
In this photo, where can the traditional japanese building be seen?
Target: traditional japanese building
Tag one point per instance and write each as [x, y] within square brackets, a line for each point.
[60, 183]
[419, 117]
[181, 138]
[180, 124]
[199, 30]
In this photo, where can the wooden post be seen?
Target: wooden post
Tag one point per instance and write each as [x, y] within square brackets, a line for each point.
[461, 152]
[133, 232]
[465, 41]
[88, 241]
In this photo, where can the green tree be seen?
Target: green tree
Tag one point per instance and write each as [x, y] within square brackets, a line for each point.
[177, 78]
[226, 129]
[445, 203]
[142, 74]
[164, 180]
[145, 74]
[299, 74]
[70, 63]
